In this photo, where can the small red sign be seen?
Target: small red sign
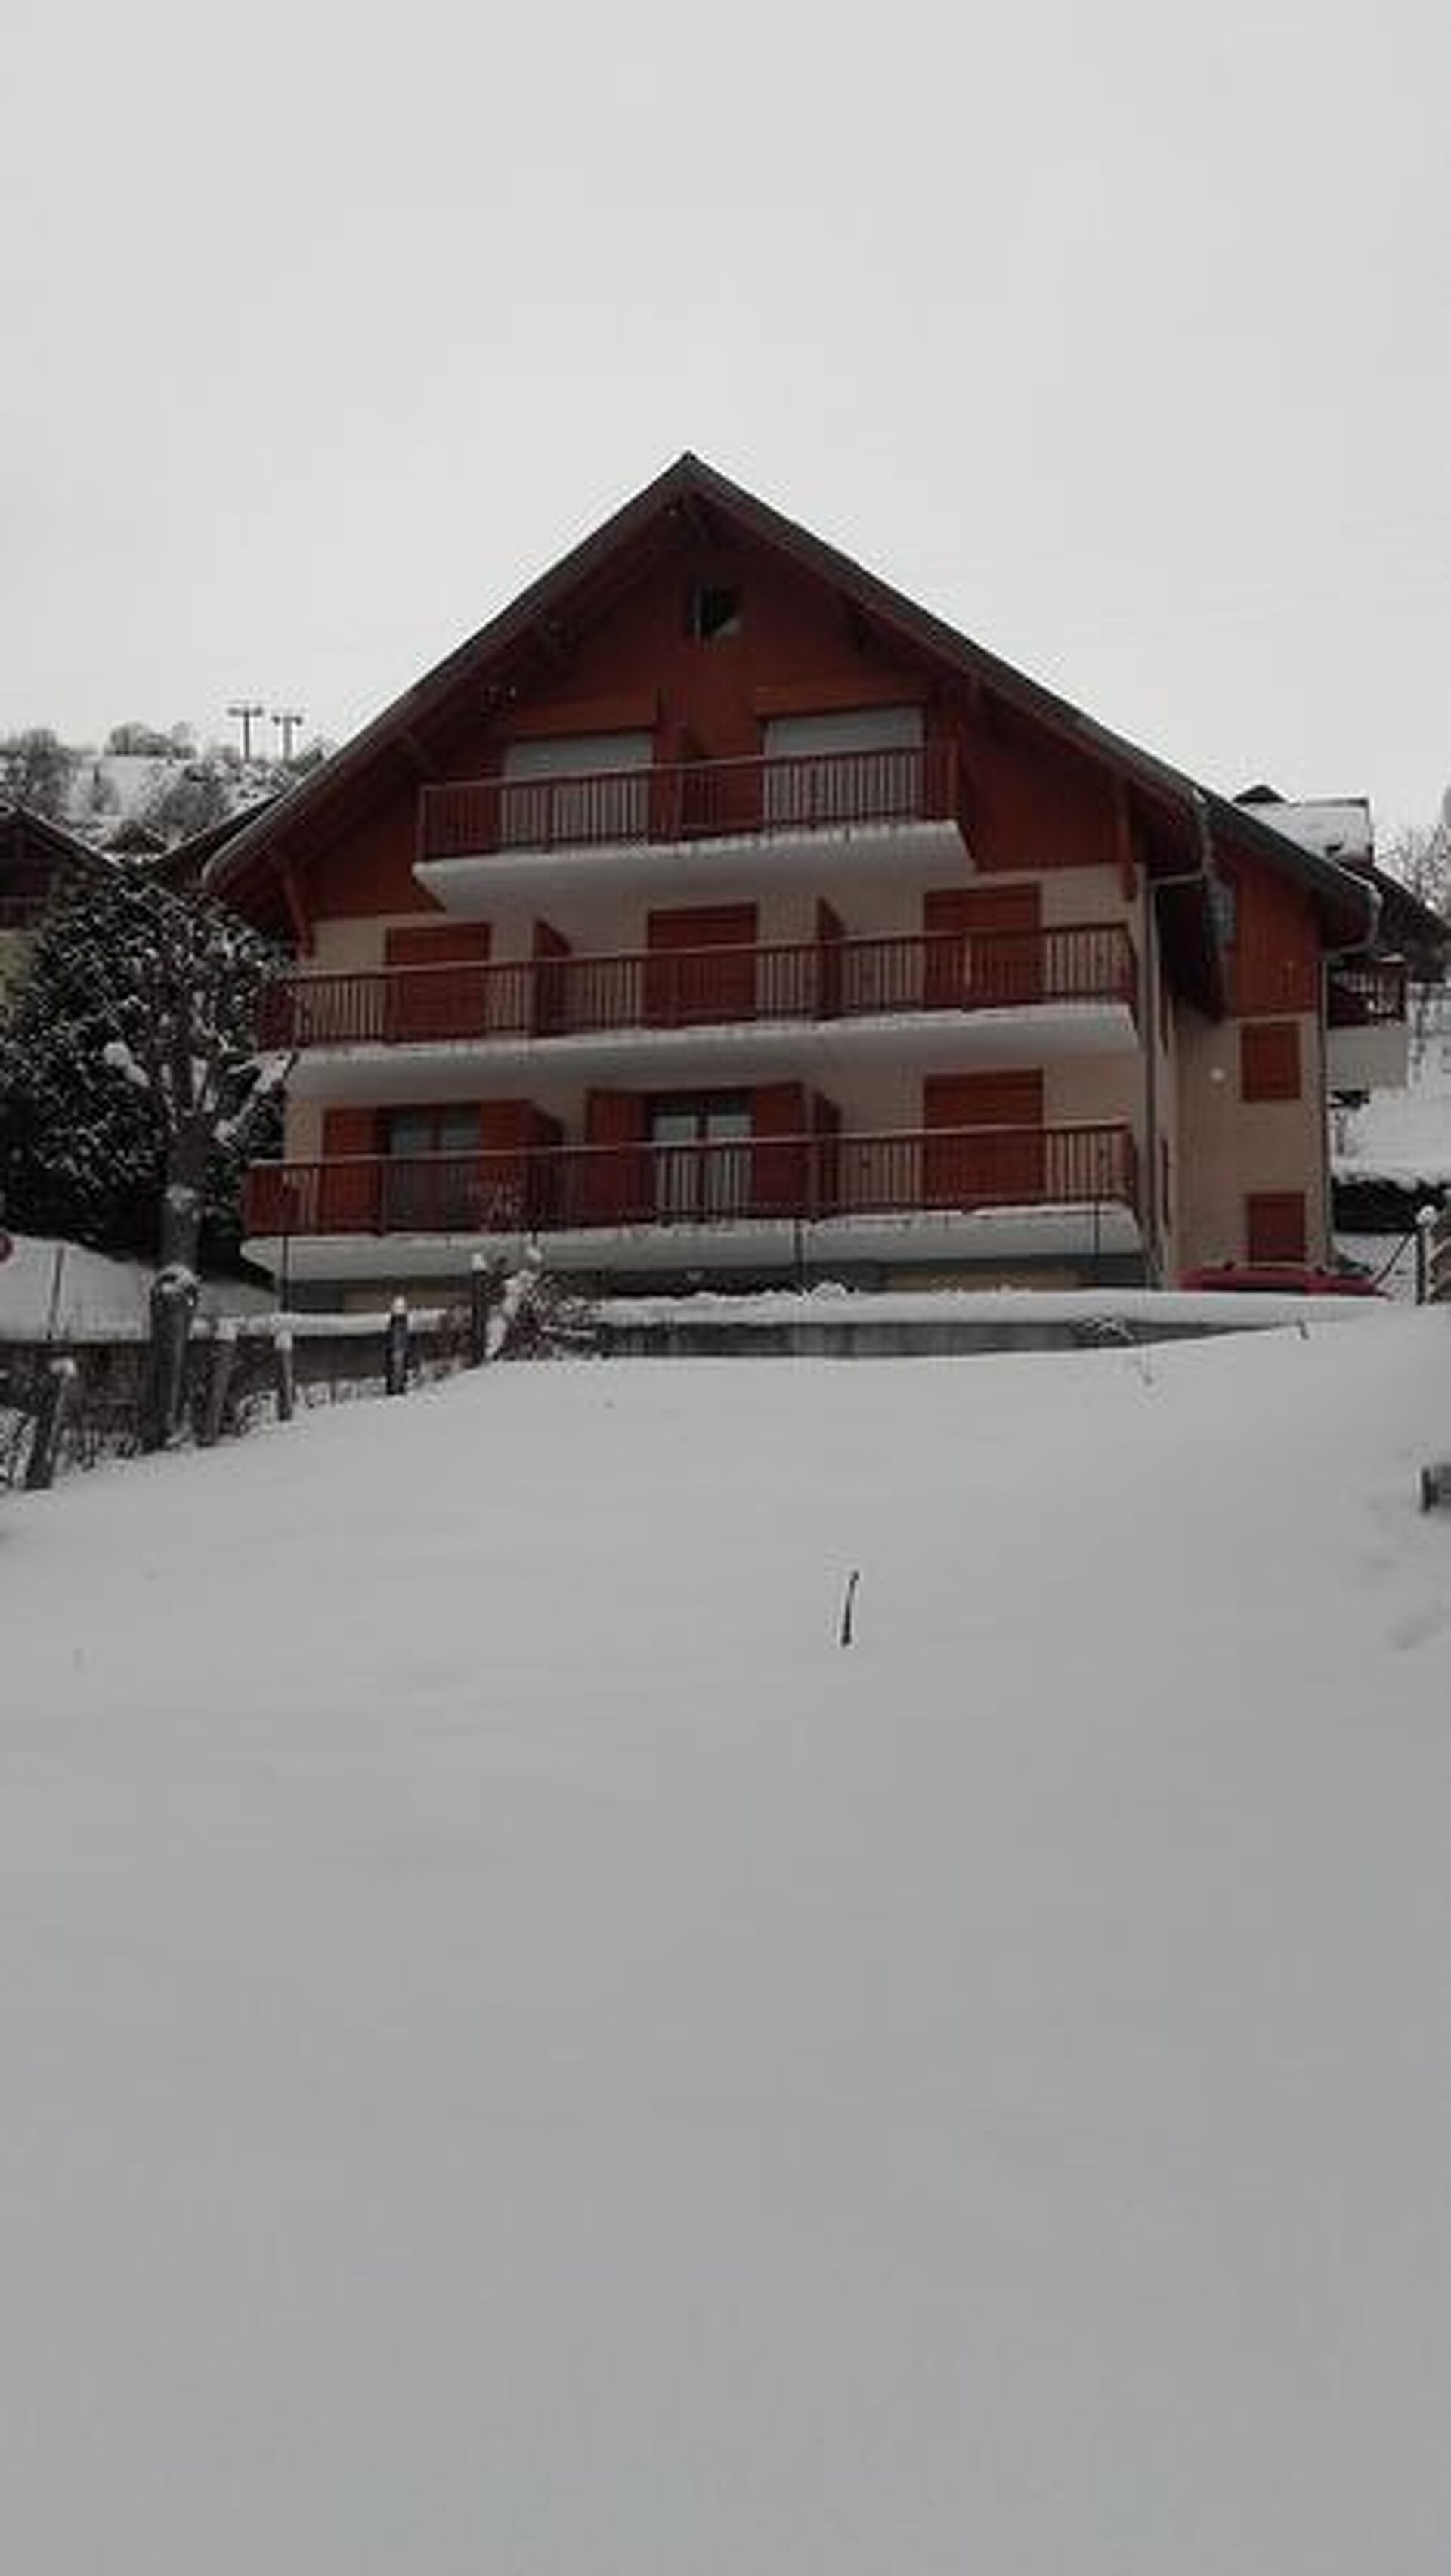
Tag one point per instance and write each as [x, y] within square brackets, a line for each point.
[6, 1246]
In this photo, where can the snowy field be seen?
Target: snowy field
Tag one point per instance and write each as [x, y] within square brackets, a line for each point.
[521, 2056]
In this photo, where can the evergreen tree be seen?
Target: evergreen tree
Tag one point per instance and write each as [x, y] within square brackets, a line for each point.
[129, 1079]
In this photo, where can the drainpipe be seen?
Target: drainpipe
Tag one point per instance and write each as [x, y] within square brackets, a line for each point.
[1149, 985]
[1336, 957]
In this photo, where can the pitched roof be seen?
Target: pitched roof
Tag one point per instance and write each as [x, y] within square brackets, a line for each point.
[688, 488]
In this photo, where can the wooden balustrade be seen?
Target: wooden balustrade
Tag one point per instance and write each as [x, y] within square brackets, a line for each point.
[684, 988]
[690, 800]
[1367, 995]
[800, 1177]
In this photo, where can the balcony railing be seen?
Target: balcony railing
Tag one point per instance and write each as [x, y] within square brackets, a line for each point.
[805, 1178]
[702, 987]
[1368, 996]
[694, 800]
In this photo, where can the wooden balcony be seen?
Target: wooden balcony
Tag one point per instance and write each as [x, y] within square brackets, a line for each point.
[552, 997]
[691, 801]
[1368, 995]
[811, 1179]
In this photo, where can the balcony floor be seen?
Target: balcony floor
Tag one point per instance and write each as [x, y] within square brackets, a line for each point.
[918, 854]
[928, 1236]
[551, 1068]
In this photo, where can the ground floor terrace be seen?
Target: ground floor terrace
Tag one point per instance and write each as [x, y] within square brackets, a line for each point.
[754, 1185]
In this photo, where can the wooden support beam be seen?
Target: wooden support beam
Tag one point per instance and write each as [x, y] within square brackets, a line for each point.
[297, 913]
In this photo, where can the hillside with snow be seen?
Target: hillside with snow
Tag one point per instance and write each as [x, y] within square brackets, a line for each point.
[522, 2054]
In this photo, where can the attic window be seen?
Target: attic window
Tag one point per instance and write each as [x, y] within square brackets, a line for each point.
[715, 612]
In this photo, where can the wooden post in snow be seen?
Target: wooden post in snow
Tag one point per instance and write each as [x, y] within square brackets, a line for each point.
[395, 1350]
[286, 1367]
[480, 1300]
[173, 1304]
[50, 1422]
[221, 1362]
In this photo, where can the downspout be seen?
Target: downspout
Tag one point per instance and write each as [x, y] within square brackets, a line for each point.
[1150, 985]
[1334, 957]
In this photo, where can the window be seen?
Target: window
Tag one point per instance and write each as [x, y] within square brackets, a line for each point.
[576, 788]
[450, 1130]
[423, 1191]
[1274, 1225]
[715, 612]
[1269, 1060]
[861, 765]
[701, 1151]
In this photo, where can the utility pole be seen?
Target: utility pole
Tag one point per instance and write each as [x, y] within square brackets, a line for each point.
[287, 720]
[247, 712]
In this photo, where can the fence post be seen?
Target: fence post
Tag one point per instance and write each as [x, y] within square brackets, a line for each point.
[50, 1422]
[173, 1304]
[286, 1368]
[222, 1360]
[395, 1350]
[480, 1300]
[1426, 1222]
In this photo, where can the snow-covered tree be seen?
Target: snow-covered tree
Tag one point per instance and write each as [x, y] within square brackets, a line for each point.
[37, 770]
[1421, 857]
[130, 1085]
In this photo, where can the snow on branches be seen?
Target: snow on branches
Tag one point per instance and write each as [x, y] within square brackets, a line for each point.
[129, 1078]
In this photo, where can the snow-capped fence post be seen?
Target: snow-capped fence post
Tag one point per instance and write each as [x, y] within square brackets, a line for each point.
[395, 1349]
[57, 1397]
[1426, 1222]
[222, 1360]
[286, 1367]
[173, 1304]
[481, 1285]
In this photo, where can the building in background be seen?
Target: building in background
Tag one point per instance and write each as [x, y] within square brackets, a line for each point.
[716, 914]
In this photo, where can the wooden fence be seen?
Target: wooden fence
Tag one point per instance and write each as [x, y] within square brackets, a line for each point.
[74, 1401]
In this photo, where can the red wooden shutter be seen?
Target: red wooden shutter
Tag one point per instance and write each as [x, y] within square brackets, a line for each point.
[830, 933]
[435, 1002]
[550, 984]
[1269, 1060]
[614, 1188]
[988, 946]
[682, 988]
[1004, 1165]
[778, 1171]
[350, 1196]
[1274, 1225]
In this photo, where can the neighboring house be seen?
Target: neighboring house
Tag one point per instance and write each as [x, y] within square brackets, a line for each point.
[1373, 1000]
[34, 853]
[716, 913]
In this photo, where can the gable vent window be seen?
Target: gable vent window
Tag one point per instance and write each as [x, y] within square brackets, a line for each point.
[715, 612]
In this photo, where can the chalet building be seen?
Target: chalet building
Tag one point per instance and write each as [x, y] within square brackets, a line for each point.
[716, 914]
[34, 855]
[1371, 1001]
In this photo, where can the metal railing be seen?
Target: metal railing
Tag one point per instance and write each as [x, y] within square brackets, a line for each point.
[805, 1177]
[684, 988]
[690, 800]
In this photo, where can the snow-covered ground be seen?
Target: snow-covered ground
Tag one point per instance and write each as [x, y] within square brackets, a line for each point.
[520, 2055]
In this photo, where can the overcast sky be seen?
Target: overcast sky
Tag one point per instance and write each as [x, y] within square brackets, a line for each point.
[1116, 331]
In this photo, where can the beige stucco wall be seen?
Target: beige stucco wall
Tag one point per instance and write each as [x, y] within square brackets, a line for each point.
[1228, 1149]
[612, 923]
